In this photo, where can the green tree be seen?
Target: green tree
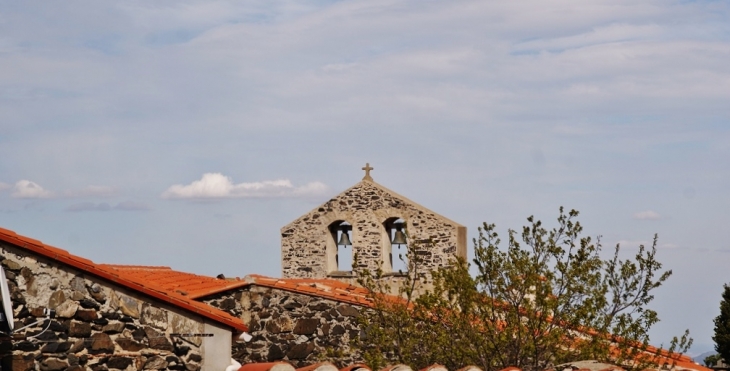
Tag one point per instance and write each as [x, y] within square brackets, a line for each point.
[544, 299]
[722, 326]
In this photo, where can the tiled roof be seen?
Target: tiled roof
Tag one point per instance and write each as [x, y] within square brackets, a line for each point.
[344, 292]
[123, 278]
[190, 285]
[326, 366]
[323, 288]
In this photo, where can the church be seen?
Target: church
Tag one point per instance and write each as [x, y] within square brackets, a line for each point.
[69, 313]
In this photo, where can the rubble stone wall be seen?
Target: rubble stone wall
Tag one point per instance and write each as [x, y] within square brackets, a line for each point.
[98, 325]
[292, 327]
[309, 250]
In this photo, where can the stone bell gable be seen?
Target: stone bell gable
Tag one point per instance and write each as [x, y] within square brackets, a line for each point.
[309, 244]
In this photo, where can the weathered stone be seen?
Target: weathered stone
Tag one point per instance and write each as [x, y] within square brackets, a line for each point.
[23, 362]
[64, 347]
[56, 299]
[51, 347]
[113, 327]
[79, 329]
[279, 325]
[77, 346]
[300, 351]
[128, 305]
[86, 315]
[275, 353]
[227, 304]
[157, 340]
[53, 364]
[306, 326]
[30, 286]
[161, 343]
[67, 309]
[348, 310]
[155, 363]
[11, 265]
[154, 317]
[77, 295]
[76, 368]
[129, 344]
[97, 292]
[38, 312]
[77, 284]
[195, 357]
[73, 360]
[192, 367]
[338, 330]
[101, 342]
[89, 303]
[25, 346]
[138, 334]
[54, 284]
[120, 363]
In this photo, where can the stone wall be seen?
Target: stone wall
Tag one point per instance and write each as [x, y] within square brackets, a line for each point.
[98, 325]
[296, 328]
[309, 250]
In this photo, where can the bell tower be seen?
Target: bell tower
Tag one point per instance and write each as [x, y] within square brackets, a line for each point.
[370, 221]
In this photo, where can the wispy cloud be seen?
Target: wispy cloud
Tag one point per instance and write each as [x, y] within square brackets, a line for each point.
[89, 206]
[91, 191]
[131, 206]
[103, 206]
[4, 186]
[28, 189]
[217, 185]
[647, 215]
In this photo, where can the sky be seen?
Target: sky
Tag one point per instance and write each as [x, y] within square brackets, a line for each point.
[187, 133]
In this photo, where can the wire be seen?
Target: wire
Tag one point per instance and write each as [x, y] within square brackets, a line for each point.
[44, 330]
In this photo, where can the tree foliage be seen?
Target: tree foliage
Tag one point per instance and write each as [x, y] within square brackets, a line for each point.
[722, 326]
[545, 298]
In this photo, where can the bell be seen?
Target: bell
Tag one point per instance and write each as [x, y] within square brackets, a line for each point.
[344, 239]
[399, 238]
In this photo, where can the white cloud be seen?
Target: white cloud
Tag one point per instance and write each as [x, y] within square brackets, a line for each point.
[217, 185]
[647, 215]
[28, 189]
[4, 186]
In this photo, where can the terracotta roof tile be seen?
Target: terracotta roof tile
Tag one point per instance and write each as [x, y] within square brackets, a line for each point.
[269, 366]
[122, 277]
[356, 367]
[323, 366]
[324, 288]
[434, 368]
[188, 284]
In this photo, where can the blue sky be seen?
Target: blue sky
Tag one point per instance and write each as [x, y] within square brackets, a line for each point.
[187, 133]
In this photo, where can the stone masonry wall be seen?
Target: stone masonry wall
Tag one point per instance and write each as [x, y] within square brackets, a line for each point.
[296, 328]
[98, 325]
[307, 244]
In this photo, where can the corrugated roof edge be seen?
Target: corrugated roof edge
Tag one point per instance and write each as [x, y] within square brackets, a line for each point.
[90, 267]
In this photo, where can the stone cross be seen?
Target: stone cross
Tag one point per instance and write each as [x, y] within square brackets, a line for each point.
[367, 169]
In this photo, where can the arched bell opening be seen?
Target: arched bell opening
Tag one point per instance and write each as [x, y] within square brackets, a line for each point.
[395, 245]
[339, 254]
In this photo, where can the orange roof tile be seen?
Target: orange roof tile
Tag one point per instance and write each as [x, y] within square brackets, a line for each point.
[324, 288]
[123, 278]
[190, 285]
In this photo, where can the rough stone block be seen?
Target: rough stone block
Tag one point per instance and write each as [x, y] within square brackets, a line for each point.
[279, 325]
[306, 326]
[153, 316]
[101, 342]
[53, 364]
